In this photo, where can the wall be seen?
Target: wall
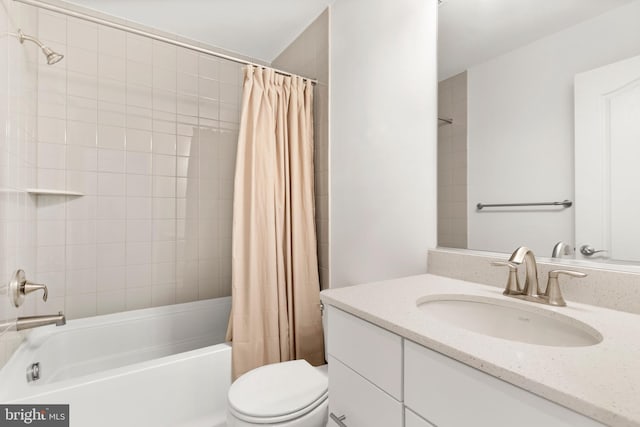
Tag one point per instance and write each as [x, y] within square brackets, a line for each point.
[18, 85]
[452, 162]
[147, 132]
[383, 138]
[521, 129]
[308, 55]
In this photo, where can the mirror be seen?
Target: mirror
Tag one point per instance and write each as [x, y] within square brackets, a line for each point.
[539, 108]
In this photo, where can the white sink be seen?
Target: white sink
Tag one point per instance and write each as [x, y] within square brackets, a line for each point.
[509, 320]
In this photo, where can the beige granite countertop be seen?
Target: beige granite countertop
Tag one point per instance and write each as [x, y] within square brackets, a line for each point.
[601, 381]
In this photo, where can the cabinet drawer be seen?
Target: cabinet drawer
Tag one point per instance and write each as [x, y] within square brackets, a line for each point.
[362, 403]
[449, 393]
[373, 352]
[412, 420]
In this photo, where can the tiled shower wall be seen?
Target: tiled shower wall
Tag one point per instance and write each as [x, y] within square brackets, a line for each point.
[147, 132]
[452, 162]
[18, 79]
[308, 55]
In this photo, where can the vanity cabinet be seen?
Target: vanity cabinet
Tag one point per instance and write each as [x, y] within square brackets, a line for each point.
[379, 379]
[449, 393]
[365, 372]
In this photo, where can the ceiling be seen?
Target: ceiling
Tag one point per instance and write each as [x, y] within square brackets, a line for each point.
[472, 31]
[260, 29]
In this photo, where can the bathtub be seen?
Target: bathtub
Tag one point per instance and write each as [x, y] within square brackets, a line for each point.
[165, 366]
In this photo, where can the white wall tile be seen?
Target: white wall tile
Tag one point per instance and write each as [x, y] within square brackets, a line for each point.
[138, 140]
[111, 254]
[80, 232]
[112, 68]
[51, 233]
[112, 91]
[79, 84]
[81, 133]
[111, 302]
[139, 185]
[113, 118]
[81, 257]
[111, 184]
[111, 207]
[138, 48]
[80, 282]
[51, 156]
[111, 161]
[52, 26]
[78, 306]
[82, 109]
[164, 143]
[111, 41]
[188, 61]
[208, 67]
[51, 130]
[139, 208]
[138, 163]
[50, 258]
[139, 230]
[111, 278]
[163, 295]
[110, 231]
[82, 61]
[137, 298]
[82, 34]
[164, 165]
[111, 137]
[83, 182]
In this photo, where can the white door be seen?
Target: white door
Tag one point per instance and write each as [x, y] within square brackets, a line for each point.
[607, 169]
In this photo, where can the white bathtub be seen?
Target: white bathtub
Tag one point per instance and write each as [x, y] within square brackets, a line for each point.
[165, 366]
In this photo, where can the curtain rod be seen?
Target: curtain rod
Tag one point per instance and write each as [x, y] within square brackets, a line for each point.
[85, 17]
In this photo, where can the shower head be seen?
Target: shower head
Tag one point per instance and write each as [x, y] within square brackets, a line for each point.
[52, 56]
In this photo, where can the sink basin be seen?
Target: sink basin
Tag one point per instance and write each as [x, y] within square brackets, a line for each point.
[508, 320]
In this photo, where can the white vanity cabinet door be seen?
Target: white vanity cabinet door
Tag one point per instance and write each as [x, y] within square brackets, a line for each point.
[362, 403]
[371, 351]
[413, 420]
[449, 393]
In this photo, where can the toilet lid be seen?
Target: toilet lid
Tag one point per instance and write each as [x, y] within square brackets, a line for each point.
[278, 390]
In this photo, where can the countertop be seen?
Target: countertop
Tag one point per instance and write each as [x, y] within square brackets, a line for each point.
[600, 381]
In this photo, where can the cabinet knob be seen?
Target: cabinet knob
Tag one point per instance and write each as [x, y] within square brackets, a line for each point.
[338, 419]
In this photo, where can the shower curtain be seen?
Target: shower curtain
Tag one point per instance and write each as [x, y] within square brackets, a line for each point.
[275, 287]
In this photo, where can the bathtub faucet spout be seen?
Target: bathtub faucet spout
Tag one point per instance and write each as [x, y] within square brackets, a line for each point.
[29, 322]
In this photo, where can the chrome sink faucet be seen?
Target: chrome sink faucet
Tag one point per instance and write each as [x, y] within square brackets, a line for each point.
[531, 291]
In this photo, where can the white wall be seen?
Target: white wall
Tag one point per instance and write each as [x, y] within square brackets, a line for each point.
[308, 55]
[520, 122]
[383, 138]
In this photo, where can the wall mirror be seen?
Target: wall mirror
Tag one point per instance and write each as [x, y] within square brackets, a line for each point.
[539, 108]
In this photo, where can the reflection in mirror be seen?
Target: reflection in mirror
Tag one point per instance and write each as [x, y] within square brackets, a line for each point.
[544, 106]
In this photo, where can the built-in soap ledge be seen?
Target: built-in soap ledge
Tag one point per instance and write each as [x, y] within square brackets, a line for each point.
[50, 192]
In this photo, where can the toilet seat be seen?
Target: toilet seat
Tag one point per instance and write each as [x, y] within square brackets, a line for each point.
[277, 393]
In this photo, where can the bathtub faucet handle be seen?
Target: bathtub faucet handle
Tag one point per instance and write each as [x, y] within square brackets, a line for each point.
[20, 286]
[29, 287]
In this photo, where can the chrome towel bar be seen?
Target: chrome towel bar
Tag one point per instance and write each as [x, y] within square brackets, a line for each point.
[564, 204]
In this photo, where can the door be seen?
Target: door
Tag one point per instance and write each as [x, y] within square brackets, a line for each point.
[607, 169]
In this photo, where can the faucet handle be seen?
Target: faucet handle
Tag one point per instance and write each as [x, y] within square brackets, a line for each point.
[513, 284]
[20, 286]
[553, 293]
[28, 287]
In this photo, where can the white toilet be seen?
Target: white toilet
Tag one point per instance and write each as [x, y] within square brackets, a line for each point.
[286, 394]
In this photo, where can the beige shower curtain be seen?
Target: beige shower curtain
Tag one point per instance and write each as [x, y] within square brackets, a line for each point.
[275, 306]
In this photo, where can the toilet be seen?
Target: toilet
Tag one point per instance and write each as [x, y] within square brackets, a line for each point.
[285, 394]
